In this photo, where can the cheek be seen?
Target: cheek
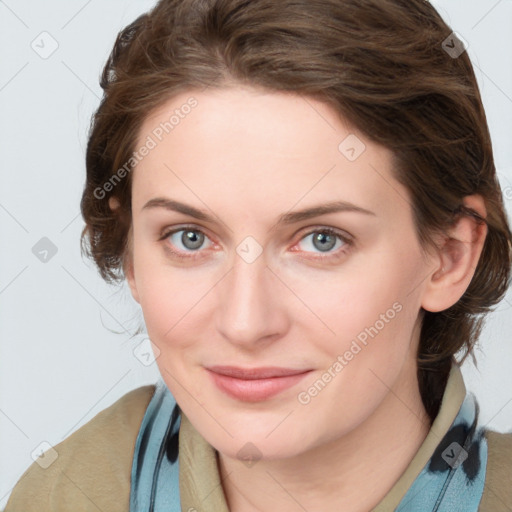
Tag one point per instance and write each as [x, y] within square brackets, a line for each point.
[371, 321]
[172, 299]
[342, 305]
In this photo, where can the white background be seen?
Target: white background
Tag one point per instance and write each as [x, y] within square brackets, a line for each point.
[62, 361]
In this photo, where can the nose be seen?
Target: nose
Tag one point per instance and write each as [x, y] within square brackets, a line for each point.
[252, 305]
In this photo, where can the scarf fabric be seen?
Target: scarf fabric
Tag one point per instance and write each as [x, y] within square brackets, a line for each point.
[452, 480]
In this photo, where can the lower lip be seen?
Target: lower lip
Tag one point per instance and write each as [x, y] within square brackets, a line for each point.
[255, 390]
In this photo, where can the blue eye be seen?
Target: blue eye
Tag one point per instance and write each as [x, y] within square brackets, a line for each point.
[192, 239]
[324, 240]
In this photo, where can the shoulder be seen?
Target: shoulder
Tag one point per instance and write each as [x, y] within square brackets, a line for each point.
[497, 495]
[93, 466]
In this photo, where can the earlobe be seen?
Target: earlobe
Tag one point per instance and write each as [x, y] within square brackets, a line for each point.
[456, 259]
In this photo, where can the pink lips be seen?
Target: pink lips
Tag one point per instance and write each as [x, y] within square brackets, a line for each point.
[254, 384]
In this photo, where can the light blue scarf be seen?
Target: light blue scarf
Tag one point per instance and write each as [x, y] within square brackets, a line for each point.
[452, 480]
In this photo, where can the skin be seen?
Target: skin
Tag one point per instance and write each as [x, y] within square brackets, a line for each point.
[247, 156]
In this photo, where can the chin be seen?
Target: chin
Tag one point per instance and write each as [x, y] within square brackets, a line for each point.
[255, 448]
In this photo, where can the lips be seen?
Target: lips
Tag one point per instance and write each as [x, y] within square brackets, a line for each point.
[255, 373]
[254, 384]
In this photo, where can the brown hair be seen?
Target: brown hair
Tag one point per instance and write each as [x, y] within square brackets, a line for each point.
[381, 64]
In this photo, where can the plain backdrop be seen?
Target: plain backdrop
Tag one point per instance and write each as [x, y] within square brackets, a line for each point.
[66, 351]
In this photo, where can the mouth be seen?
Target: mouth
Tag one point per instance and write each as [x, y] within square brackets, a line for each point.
[255, 384]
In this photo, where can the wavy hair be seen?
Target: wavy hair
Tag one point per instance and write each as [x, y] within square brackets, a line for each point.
[384, 65]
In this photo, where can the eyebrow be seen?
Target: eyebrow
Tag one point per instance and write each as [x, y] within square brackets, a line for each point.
[285, 218]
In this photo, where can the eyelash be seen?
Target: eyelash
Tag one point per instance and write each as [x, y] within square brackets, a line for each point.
[348, 242]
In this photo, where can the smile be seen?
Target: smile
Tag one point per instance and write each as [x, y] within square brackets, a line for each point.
[255, 385]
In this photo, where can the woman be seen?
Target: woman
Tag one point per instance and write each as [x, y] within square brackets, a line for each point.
[303, 199]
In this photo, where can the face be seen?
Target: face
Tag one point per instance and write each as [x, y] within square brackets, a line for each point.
[332, 296]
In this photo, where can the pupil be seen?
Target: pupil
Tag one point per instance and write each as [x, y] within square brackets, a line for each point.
[322, 238]
[189, 237]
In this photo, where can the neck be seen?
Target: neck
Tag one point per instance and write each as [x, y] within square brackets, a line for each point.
[352, 473]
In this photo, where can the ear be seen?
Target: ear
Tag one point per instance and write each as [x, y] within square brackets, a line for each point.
[456, 259]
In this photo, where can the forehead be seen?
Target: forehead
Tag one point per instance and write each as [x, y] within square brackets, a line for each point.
[260, 148]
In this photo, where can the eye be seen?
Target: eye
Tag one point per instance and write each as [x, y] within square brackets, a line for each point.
[325, 239]
[187, 239]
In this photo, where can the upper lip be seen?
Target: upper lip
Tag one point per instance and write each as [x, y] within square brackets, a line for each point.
[255, 373]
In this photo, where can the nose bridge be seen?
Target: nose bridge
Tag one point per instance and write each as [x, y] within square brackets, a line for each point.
[248, 281]
[247, 296]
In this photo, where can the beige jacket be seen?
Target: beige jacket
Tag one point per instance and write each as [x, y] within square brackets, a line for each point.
[93, 467]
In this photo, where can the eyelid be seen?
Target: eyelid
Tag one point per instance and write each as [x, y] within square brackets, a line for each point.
[166, 232]
[320, 228]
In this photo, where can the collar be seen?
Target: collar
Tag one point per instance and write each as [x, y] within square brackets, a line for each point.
[453, 397]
